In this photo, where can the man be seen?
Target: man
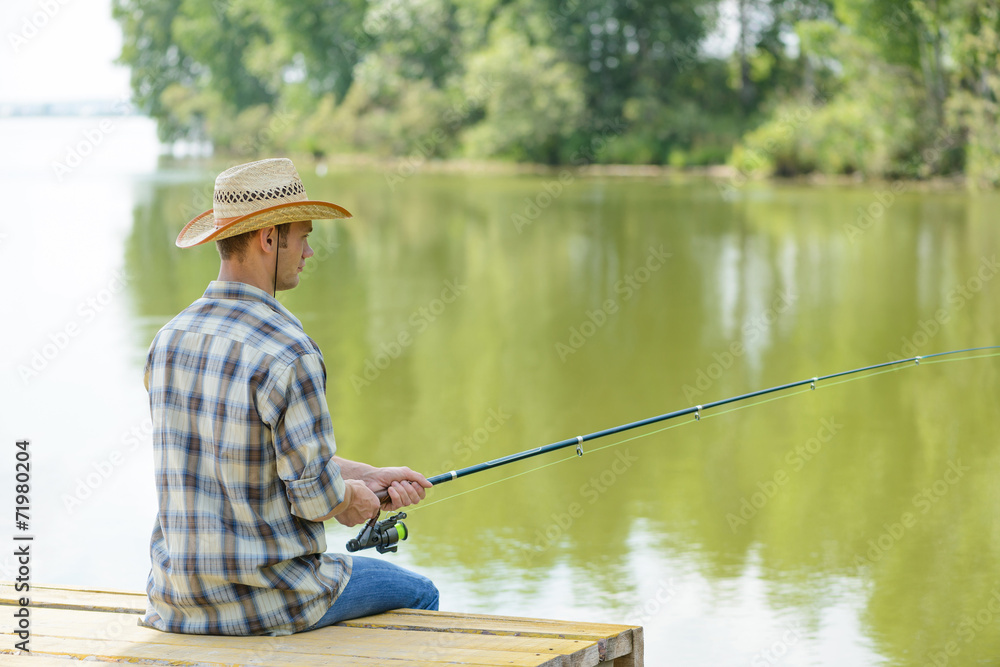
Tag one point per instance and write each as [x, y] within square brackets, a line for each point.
[246, 471]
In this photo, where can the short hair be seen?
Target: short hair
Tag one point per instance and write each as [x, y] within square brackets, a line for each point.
[235, 247]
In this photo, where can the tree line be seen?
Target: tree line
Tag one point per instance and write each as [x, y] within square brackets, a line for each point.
[880, 88]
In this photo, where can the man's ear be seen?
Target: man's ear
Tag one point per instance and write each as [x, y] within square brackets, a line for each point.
[267, 238]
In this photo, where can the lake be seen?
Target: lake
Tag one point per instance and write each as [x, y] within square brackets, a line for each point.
[466, 316]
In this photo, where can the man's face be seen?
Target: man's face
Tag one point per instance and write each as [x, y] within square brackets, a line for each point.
[293, 255]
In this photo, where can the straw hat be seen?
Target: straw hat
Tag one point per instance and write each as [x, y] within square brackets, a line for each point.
[253, 196]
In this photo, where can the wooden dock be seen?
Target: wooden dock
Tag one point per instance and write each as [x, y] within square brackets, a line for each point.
[99, 626]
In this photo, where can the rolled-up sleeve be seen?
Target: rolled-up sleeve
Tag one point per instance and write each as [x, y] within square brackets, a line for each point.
[304, 444]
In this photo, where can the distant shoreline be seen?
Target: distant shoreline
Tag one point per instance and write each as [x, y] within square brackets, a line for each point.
[722, 173]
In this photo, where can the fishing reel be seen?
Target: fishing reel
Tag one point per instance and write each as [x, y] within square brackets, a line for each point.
[383, 535]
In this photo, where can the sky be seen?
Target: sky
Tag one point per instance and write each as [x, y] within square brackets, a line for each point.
[60, 50]
[64, 50]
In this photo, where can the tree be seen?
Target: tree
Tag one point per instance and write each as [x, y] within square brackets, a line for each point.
[533, 100]
[973, 109]
[150, 49]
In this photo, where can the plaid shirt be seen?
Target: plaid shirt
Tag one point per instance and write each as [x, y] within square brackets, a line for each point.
[243, 451]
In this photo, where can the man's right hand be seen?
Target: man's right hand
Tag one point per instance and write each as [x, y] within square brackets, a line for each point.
[359, 506]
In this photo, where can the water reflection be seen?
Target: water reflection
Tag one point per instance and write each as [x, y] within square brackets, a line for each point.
[566, 327]
[623, 299]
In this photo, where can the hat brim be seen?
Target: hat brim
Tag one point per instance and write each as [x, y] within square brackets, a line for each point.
[206, 227]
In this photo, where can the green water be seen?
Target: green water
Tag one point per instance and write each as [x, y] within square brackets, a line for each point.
[853, 524]
[465, 317]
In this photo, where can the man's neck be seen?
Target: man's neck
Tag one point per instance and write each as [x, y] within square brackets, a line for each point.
[239, 272]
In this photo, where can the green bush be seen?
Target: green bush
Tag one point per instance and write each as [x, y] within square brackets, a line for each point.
[869, 124]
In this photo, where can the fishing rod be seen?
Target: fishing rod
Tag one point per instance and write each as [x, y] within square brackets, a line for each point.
[385, 534]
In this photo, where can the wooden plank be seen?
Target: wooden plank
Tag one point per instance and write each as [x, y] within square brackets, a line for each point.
[458, 622]
[38, 660]
[231, 650]
[99, 625]
[597, 628]
[183, 656]
[472, 622]
[80, 589]
[68, 597]
[102, 624]
[613, 641]
[334, 641]
[635, 658]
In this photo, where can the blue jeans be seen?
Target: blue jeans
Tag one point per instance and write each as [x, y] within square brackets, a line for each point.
[377, 586]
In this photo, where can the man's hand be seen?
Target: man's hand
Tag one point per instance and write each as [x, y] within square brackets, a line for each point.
[405, 487]
[359, 505]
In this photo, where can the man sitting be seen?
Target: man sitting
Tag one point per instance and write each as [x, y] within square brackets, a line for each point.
[244, 453]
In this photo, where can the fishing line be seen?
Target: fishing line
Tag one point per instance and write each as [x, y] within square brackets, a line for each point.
[613, 444]
[978, 356]
[875, 370]
[277, 248]
[504, 479]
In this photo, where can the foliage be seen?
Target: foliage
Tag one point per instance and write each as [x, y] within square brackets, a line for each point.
[893, 88]
[973, 109]
[532, 100]
[865, 126]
